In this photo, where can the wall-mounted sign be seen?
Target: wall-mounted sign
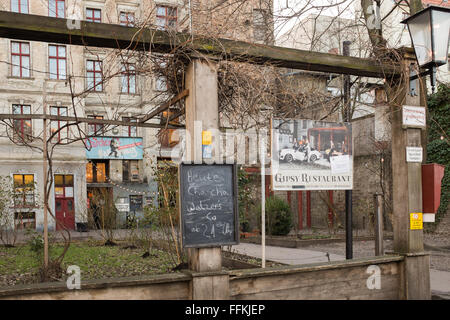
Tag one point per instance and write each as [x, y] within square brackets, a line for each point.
[127, 148]
[416, 221]
[414, 154]
[414, 117]
[311, 155]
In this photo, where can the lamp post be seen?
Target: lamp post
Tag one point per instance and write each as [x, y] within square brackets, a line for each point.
[429, 32]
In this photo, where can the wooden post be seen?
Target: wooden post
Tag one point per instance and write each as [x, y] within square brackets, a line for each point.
[378, 208]
[308, 209]
[44, 169]
[407, 189]
[300, 209]
[202, 113]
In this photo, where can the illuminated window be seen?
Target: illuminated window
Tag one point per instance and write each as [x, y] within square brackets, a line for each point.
[22, 127]
[23, 190]
[57, 126]
[96, 171]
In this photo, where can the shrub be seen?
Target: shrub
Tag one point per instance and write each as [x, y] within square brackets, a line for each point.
[278, 216]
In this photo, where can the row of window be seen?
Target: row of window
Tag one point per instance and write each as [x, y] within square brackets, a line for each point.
[23, 127]
[57, 64]
[166, 17]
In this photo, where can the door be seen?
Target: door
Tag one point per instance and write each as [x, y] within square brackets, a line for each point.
[65, 213]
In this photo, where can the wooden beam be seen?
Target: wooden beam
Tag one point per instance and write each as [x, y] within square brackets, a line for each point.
[47, 29]
[6, 116]
[165, 106]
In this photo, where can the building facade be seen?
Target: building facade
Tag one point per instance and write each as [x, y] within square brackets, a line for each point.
[65, 80]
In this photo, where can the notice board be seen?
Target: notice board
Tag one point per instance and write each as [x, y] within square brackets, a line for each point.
[208, 205]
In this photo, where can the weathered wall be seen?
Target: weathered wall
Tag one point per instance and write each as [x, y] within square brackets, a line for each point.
[334, 280]
[344, 280]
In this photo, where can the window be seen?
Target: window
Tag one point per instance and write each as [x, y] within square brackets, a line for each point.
[166, 17]
[57, 62]
[95, 129]
[56, 8]
[96, 171]
[126, 19]
[19, 6]
[128, 76]
[24, 220]
[63, 186]
[23, 190]
[94, 75]
[130, 131]
[130, 170]
[56, 125]
[22, 127]
[93, 15]
[20, 59]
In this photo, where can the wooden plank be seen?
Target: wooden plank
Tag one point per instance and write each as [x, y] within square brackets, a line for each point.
[47, 29]
[318, 278]
[165, 105]
[5, 116]
[333, 289]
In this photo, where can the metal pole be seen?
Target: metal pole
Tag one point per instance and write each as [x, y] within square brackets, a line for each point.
[348, 193]
[378, 207]
[263, 199]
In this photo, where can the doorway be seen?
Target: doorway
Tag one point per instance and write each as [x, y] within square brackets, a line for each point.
[64, 202]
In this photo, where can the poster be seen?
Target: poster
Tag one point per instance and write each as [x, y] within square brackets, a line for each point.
[311, 155]
[126, 148]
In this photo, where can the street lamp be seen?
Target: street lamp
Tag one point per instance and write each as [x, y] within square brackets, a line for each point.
[429, 32]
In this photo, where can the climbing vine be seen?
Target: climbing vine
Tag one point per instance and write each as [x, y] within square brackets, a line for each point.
[438, 146]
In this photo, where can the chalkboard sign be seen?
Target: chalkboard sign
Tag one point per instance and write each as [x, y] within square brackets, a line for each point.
[209, 211]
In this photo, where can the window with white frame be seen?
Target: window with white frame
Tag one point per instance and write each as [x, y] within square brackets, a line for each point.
[57, 62]
[19, 6]
[20, 59]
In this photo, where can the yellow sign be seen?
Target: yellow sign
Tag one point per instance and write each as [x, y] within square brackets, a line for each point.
[416, 221]
[206, 137]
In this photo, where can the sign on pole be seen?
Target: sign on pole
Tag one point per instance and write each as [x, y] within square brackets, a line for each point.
[209, 207]
[414, 117]
[311, 155]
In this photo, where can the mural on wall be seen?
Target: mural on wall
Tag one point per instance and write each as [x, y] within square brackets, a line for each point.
[127, 148]
[311, 155]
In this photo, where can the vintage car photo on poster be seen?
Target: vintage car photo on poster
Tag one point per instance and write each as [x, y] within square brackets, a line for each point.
[311, 155]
